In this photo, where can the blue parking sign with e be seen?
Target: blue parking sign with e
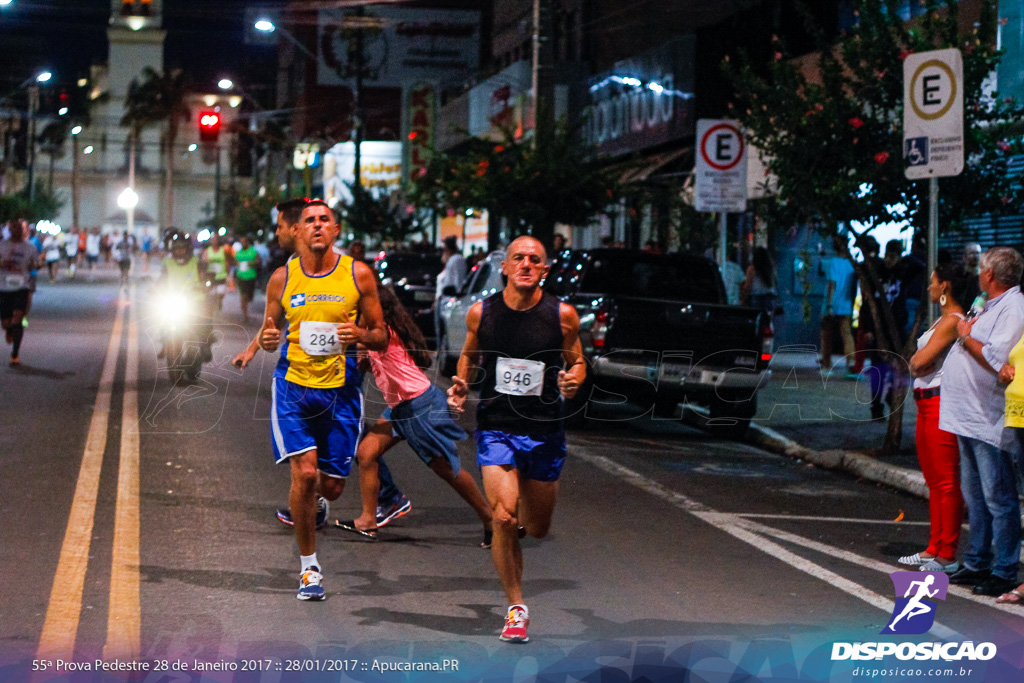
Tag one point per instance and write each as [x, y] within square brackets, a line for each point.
[915, 151]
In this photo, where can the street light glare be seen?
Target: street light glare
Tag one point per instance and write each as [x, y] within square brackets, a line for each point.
[265, 25]
[128, 199]
[225, 84]
[44, 77]
[5, 2]
[76, 130]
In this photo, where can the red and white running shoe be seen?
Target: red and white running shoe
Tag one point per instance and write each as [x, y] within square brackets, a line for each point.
[516, 622]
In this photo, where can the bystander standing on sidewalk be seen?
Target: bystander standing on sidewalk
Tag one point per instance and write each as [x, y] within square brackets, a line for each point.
[937, 450]
[760, 289]
[972, 407]
[1012, 374]
[840, 288]
[454, 274]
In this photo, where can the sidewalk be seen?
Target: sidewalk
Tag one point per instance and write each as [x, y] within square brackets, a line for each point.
[824, 418]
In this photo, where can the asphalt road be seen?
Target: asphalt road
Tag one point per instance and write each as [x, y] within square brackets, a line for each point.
[139, 527]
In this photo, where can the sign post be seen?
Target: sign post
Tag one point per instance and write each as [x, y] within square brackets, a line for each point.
[933, 128]
[720, 179]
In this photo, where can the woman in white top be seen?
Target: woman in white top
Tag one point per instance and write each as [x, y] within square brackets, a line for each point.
[937, 450]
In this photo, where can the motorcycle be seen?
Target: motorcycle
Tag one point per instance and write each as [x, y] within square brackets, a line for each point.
[185, 328]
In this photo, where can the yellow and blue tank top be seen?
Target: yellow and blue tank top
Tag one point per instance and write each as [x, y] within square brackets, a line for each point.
[311, 355]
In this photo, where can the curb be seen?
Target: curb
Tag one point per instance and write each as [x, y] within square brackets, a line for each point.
[864, 466]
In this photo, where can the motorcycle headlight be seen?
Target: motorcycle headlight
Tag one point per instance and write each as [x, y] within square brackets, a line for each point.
[174, 307]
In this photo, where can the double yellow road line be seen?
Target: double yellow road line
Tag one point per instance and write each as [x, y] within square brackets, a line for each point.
[65, 605]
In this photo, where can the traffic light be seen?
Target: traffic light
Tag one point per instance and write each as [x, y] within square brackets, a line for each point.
[209, 126]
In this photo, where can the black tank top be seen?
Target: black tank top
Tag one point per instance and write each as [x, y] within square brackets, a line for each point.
[533, 335]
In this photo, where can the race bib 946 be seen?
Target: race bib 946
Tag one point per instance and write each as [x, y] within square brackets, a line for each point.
[320, 338]
[518, 377]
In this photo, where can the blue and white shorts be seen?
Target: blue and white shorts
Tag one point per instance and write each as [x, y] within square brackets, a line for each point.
[539, 457]
[428, 424]
[328, 420]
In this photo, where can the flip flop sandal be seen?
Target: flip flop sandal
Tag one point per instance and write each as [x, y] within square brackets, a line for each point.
[914, 560]
[350, 525]
[1011, 598]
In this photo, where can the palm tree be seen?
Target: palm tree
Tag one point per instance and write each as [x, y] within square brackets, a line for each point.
[151, 101]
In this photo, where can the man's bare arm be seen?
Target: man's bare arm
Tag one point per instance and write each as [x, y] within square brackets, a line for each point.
[373, 333]
[571, 379]
[468, 360]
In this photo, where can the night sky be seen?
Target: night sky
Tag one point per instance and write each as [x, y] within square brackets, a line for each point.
[205, 37]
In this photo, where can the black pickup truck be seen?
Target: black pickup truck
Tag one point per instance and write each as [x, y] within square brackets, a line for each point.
[656, 331]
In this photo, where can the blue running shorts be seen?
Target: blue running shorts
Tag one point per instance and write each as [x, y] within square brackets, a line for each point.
[329, 420]
[538, 457]
[428, 425]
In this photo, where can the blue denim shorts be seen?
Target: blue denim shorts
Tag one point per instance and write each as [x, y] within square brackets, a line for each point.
[428, 425]
[538, 457]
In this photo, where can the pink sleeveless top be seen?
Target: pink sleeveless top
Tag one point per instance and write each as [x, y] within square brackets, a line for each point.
[397, 376]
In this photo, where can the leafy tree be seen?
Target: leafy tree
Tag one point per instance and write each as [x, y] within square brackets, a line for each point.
[834, 141]
[531, 183]
[43, 207]
[380, 217]
[156, 99]
[245, 213]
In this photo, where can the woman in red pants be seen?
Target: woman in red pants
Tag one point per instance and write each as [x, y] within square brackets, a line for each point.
[937, 450]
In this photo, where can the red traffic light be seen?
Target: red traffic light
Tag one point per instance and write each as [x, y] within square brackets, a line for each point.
[209, 126]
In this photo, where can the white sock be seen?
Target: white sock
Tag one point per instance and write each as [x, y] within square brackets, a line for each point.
[309, 561]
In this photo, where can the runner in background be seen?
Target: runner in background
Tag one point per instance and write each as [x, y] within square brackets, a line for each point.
[249, 263]
[216, 261]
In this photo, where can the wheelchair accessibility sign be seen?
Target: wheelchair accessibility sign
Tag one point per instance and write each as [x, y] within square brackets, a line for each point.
[933, 114]
[915, 151]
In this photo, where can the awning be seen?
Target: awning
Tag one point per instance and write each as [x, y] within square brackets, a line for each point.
[641, 169]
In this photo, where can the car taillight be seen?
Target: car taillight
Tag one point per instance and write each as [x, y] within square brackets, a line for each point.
[599, 328]
[767, 340]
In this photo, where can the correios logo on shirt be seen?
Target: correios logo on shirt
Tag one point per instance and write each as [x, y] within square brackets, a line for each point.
[302, 299]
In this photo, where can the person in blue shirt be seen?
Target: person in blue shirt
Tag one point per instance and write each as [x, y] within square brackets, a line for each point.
[837, 313]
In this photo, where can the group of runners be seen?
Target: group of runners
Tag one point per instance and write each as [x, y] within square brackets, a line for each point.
[332, 320]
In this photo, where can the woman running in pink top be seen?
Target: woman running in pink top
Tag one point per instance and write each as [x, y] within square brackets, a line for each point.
[417, 412]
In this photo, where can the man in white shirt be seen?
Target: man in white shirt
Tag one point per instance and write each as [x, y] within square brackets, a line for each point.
[453, 275]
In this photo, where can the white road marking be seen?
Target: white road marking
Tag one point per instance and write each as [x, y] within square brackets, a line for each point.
[812, 518]
[123, 617]
[959, 591]
[741, 529]
[60, 628]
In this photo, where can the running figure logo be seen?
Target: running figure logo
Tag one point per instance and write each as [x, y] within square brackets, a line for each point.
[914, 613]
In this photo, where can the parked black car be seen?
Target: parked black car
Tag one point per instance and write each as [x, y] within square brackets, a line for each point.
[656, 331]
[413, 275]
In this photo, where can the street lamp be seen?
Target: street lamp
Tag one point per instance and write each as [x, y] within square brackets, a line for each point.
[267, 26]
[33, 106]
[225, 84]
[128, 200]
